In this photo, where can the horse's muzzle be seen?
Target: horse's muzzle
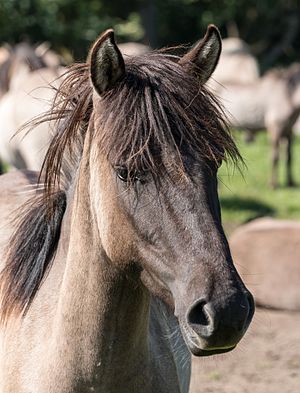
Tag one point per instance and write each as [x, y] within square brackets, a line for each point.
[209, 328]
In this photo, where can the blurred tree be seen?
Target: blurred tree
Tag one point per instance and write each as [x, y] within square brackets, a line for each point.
[272, 28]
[73, 24]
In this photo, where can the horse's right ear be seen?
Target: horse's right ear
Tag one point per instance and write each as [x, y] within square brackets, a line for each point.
[203, 58]
[106, 63]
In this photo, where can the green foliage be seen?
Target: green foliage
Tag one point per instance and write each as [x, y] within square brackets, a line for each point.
[271, 27]
[247, 195]
[132, 28]
[72, 24]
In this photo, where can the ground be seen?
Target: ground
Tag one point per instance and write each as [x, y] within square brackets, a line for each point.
[267, 360]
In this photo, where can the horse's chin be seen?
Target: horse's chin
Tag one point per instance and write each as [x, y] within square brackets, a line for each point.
[198, 346]
[208, 352]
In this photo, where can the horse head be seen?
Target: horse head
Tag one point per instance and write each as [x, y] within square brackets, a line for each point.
[159, 139]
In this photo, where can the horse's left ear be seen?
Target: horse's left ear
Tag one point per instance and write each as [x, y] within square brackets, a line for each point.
[106, 63]
[203, 58]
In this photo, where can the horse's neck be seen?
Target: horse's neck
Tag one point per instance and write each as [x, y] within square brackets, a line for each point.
[101, 318]
[88, 328]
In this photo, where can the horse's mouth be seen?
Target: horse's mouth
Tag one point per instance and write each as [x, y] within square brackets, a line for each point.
[198, 346]
[196, 351]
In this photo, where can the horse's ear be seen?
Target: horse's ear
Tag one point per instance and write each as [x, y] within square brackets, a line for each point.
[203, 58]
[106, 63]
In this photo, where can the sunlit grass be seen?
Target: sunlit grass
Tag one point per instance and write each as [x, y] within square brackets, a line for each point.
[247, 195]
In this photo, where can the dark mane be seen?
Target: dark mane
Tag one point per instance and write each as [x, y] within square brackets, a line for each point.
[29, 253]
[37, 226]
[156, 107]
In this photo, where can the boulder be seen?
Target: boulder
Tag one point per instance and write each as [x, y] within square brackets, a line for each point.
[266, 252]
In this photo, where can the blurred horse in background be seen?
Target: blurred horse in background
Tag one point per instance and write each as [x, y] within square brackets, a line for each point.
[271, 102]
[4, 54]
[25, 79]
[20, 58]
[296, 127]
[236, 65]
[133, 49]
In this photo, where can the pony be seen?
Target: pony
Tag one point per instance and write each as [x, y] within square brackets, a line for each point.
[118, 268]
[23, 59]
[133, 49]
[24, 86]
[237, 64]
[29, 96]
[4, 54]
[21, 56]
[271, 102]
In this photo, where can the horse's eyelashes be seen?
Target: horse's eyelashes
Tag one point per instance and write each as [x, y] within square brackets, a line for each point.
[130, 176]
[122, 173]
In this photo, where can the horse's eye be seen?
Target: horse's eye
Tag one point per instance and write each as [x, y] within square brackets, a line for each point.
[130, 176]
[122, 173]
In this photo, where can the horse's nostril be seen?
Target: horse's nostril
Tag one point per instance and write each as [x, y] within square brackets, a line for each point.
[198, 315]
[201, 318]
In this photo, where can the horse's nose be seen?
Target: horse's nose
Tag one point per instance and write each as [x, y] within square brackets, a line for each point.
[219, 324]
[201, 318]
